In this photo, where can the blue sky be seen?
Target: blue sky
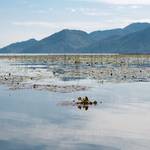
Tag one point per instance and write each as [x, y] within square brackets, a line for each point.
[25, 19]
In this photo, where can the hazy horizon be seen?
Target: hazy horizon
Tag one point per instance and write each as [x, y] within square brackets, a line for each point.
[24, 19]
[19, 40]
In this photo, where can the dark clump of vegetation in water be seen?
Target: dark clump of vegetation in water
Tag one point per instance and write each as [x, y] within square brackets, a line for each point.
[84, 103]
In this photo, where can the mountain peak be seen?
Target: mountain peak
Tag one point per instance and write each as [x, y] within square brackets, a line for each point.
[32, 40]
[137, 26]
[71, 31]
[133, 38]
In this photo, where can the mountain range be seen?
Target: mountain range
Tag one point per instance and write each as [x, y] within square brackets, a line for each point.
[135, 38]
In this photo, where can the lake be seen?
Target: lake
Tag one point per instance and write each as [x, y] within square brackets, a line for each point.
[43, 117]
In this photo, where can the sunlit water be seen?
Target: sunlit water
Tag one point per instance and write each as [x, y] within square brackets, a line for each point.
[36, 120]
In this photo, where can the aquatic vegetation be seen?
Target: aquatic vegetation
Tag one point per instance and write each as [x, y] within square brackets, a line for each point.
[85, 102]
[81, 103]
[62, 73]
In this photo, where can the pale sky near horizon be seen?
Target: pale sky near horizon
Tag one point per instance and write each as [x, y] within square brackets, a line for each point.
[25, 19]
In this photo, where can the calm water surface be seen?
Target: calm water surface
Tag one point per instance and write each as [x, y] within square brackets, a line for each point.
[36, 120]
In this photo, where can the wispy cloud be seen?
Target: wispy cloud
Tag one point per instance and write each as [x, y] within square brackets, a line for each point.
[43, 11]
[23, 19]
[89, 11]
[55, 26]
[86, 26]
[128, 2]
[33, 24]
[123, 2]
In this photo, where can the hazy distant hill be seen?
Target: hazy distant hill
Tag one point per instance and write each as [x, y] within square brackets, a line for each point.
[137, 42]
[134, 38]
[18, 47]
[100, 35]
[134, 27]
[61, 42]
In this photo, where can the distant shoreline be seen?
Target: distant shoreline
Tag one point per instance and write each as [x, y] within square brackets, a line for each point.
[57, 54]
[68, 54]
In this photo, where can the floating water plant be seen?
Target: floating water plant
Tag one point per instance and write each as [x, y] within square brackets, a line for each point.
[84, 102]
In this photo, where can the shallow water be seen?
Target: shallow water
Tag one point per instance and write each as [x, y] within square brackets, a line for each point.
[39, 120]
[36, 119]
